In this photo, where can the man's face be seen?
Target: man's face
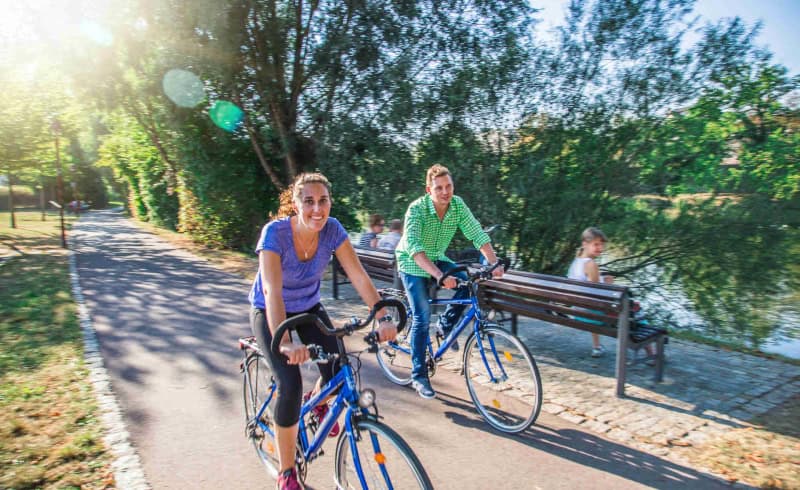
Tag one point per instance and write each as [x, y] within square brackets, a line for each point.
[441, 190]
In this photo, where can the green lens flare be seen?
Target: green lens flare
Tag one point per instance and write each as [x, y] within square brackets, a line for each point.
[226, 115]
[184, 88]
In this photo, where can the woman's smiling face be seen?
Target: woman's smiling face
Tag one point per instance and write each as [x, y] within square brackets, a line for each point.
[313, 206]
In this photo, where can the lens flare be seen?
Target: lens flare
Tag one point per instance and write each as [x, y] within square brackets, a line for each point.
[183, 87]
[226, 115]
[97, 33]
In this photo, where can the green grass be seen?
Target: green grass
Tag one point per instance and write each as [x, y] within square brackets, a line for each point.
[49, 434]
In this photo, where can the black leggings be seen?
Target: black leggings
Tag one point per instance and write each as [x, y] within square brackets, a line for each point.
[287, 377]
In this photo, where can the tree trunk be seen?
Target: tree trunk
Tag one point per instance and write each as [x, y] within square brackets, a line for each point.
[11, 201]
[42, 198]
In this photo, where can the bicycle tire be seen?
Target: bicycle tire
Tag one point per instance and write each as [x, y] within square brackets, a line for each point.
[395, 363]
[394, 465]
[510, 403]
[258, 381]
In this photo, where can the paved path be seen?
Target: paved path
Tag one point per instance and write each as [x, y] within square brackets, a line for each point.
[167, 323]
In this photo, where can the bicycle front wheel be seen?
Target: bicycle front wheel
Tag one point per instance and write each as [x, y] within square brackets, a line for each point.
[394, 358]
[376, 457]
[258, 387]
[502, 379]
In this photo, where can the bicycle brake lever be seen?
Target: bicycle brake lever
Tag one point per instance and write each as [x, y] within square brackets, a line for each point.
[372, 340]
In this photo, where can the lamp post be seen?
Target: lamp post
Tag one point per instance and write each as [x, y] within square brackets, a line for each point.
[56, 127]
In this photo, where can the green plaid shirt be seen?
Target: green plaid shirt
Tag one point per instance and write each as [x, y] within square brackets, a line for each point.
[424, 232]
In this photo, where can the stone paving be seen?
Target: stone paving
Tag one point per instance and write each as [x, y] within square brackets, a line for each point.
[706, 390]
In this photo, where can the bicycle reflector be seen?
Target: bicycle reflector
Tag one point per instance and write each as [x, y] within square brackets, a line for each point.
[367, 398]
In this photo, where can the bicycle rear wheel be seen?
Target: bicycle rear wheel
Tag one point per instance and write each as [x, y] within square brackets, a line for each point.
[384, 459]
[394, 358]
[258, 387]
[502, 379]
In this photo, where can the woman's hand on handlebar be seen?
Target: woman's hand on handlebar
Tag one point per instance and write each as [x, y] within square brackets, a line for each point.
[386, 331]
[295, 354]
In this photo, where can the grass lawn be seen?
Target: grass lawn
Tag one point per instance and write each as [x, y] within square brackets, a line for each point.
[49, 434]
[766, 455]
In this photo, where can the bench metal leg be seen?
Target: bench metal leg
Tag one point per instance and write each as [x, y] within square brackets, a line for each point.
[622, 345]
[335, 279]
[514, 323]
[397, 283]
[659, 376]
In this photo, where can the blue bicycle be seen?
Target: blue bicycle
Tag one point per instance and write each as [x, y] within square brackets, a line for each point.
[369, 454]
[502, 376]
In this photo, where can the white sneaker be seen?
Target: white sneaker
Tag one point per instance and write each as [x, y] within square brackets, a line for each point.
[598, 351]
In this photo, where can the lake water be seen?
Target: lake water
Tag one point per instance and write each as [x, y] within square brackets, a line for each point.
[784, 340]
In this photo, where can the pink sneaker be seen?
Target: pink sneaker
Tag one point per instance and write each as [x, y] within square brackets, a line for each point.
[320, 411]
[288, 481]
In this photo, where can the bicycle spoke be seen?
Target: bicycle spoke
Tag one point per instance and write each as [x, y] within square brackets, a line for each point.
[385, 461]
[258, 387]
[503, 380]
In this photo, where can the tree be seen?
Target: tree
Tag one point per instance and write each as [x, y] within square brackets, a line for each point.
[22, 135]
[299, 68]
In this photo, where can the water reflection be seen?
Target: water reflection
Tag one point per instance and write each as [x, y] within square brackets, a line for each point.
[671, 305]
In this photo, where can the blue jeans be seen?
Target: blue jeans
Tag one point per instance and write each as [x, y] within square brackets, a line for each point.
[418, 296]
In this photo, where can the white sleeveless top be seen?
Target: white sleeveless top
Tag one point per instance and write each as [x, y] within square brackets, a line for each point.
[577, 270]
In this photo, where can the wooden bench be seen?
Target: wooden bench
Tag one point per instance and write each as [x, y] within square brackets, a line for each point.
[380, 265]
[564, 301]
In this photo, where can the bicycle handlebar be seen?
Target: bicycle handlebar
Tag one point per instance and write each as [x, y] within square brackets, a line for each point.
[347, 329]
[484, 272]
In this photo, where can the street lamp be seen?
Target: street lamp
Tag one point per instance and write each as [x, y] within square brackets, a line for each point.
[56, 127]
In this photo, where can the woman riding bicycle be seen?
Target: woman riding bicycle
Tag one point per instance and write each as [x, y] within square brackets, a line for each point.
[293, 252]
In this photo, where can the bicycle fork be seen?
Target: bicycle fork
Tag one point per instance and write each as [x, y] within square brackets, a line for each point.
[479, 334]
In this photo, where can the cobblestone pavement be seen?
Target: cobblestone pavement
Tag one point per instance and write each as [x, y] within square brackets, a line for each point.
[706, 390]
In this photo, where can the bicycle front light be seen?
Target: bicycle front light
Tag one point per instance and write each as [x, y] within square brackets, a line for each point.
[367, 398]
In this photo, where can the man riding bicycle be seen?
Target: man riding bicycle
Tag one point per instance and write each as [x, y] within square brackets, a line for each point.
[430, 224]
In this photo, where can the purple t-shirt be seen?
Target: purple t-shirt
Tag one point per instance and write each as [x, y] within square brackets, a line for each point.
[301, 280]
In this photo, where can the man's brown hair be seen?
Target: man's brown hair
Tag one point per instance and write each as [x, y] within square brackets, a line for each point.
[436, 171]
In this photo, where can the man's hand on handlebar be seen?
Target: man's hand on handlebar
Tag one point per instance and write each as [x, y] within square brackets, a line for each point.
[450, 282]
[498, 272]
[295, 354]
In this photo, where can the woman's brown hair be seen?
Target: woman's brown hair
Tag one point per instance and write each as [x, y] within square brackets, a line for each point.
[287, 197]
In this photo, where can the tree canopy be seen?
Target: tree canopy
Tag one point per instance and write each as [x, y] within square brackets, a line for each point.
[685, 152]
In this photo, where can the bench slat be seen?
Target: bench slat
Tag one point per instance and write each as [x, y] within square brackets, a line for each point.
[599, 290]
[538, 313]
[569, 297]
[491, 299]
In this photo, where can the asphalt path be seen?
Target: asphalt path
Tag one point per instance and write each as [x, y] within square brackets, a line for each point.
[168, 322]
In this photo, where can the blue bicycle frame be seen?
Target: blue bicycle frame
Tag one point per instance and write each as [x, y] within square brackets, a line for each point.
[346, 399]
[473, 313]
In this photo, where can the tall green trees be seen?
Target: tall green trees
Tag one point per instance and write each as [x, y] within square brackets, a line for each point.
[209, 109]
[303, 69]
